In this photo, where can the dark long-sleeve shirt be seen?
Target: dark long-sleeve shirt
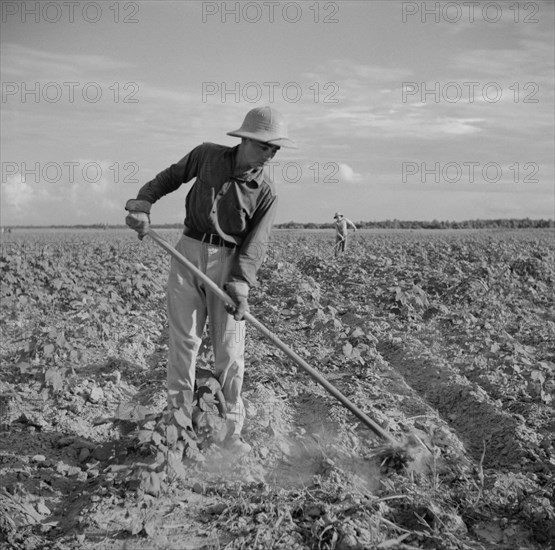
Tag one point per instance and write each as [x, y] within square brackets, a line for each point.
[239, 207]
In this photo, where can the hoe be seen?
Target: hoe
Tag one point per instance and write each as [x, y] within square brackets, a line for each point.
[395, 455]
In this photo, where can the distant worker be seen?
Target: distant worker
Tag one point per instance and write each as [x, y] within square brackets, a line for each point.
[341, 231]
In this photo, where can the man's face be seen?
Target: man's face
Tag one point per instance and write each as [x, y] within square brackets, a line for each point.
[258, 153]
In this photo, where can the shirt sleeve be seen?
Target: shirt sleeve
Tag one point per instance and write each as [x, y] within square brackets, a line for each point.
[172, 178]
[255, 245]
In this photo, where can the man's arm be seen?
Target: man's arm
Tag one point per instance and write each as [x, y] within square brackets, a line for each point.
[165, 182]
[250, 257]
[349, 222]
[171, 178]
[255, 245]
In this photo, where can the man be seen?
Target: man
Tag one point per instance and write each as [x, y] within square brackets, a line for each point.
[229, 214]
[341, 231]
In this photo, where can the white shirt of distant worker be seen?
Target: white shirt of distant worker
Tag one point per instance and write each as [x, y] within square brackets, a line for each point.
[342, 225]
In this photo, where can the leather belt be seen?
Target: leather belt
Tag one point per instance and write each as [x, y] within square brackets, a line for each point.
[208, 238]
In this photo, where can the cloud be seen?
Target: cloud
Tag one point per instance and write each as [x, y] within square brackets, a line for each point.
[30, 63]
[78, 191]
[74, 80]
[371, 102]
[347, 174]
[345, 68]
[358, 125]
[15, 194]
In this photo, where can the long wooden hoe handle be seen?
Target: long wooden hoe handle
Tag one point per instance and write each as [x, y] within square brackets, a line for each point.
[365, 419]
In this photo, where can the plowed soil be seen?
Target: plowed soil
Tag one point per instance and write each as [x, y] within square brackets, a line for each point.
[443, 338]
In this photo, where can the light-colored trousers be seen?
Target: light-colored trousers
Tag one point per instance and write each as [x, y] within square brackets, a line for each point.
[189, 306]
[340, 243]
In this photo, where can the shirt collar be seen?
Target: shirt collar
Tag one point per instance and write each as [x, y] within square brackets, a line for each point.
[250, 177]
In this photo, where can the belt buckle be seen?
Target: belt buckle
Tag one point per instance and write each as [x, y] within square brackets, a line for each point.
[206, 238]
[212, 247]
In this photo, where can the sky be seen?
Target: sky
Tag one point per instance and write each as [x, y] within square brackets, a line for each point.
[401, 110]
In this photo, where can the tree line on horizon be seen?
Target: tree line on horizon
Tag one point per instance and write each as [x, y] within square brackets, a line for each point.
[509, 223]
[502, 223]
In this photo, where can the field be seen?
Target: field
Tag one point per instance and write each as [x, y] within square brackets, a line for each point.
[447, 335]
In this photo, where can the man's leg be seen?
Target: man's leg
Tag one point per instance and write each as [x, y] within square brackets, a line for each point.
[187, 317]
[228, 340]
[228, 337]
